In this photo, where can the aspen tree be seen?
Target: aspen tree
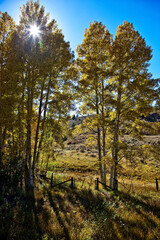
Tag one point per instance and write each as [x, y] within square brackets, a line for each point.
[132, 85]
[7, 87]
[44, 58]
[94, 65]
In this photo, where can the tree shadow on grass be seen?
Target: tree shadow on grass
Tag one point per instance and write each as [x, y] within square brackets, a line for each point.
[53, 204]
[31, 221]
[18, 215]
[148, 213]
[97, 212]
[109, 224]
[101, 211]
[91, 208]
[141, 202]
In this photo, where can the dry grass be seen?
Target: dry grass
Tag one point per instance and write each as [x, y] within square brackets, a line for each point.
[83, 212]
[90, 214]
[71, 160]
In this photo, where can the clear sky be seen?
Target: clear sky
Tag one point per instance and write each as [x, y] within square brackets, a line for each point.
[73, 16]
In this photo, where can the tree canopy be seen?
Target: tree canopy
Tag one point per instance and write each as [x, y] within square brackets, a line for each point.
[115, 83]
[40, 66]
[39, 81]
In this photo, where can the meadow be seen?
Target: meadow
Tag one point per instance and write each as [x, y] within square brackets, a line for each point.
[133, 212]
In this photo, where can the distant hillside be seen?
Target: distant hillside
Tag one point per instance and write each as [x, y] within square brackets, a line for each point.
[76, 121]
[153, 117]
[78, 141]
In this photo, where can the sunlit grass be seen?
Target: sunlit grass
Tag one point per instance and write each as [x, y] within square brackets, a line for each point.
[71, 160]
[83, 212]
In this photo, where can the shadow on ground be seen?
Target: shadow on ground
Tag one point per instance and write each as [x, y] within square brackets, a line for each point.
[72, 214]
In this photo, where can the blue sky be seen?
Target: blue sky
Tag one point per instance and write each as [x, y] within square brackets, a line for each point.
[73, 16]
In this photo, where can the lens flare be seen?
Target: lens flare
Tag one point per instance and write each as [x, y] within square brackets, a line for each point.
[34, 31]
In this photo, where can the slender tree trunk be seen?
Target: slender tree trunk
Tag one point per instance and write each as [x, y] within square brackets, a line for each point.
[38, 126]
[113, 175]
[103, 135]
[28, 143]
[29, 119]
[1, 79]
[43, 121]
[4, 139]
[104, 154]
[99, 151]
[20, 119]
[21, 131]
[1, 152]
[20, 141]
[31, 170]
[99, 139]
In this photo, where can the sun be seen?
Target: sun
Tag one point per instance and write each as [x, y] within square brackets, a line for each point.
[34, 31]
